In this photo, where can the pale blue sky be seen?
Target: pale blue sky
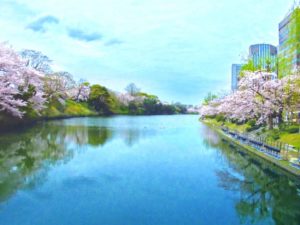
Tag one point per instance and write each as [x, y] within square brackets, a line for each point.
[176, 49]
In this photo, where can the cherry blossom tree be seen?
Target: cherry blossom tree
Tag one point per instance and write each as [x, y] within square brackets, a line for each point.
[36, 60]
[260, 96]
[21, 87]
[126, 98]
[59, 85]
[81, 91]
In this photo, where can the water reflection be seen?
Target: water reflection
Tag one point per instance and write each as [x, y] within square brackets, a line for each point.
[262, 193]
[165, 163]
[210, 137]
[26, 157]
[98, 136]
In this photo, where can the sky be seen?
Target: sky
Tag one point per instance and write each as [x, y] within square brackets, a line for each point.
[177, 49]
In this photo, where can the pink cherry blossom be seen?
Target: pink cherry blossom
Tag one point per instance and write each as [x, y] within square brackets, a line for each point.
[260, 96]
[15, 80]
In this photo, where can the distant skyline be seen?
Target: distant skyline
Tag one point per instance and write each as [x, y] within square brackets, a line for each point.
[176, 49]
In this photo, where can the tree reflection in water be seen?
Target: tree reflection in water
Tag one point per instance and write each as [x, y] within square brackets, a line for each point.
[263, 190]
[25, 157]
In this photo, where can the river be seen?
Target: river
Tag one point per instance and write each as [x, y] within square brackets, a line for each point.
[138, 170]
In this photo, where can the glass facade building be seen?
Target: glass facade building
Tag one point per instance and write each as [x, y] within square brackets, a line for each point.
[235, 72]
[264, 56]
[284, 32]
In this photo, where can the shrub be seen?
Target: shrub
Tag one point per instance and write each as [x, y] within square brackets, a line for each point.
[252, 126]
[251, 123]
[274, 134]
[210, 117]
[220, 118]
[292, 129]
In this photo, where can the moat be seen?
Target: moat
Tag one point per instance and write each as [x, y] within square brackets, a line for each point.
[127, 170]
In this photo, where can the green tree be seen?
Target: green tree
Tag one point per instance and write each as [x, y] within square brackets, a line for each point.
[209, 97]
[151, 105]
[135, 108]
[101, 100]
[248, 66]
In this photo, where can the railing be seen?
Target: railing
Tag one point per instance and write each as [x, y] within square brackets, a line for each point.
[275, 149]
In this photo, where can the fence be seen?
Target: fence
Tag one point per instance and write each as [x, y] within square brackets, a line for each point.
[272, 148]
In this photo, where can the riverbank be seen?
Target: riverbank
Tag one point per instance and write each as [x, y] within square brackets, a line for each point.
[284, 136]
[283, 164]
[53, 110]
[57, 110]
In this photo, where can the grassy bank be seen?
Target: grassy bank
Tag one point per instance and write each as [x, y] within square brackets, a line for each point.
[285, 135]
[67, 109]
[283, 164]
[52, 110]
[55, 109]
[232, 126]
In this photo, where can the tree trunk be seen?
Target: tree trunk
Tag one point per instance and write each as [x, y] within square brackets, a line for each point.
[270, 123]
[280, 117]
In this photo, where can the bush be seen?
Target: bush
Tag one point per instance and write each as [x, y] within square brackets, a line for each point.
[252, 126]
[292, 129]
[210, 117]
[220, 118]
[251, 123]
[274, 134]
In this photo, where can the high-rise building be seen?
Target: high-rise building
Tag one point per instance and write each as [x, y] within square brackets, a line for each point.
[264, 56]
[235, 72]
[288, 27]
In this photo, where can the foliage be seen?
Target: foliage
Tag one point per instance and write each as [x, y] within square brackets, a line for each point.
[147, 104]
[29, 89]
[230, 124]
[252, 125]
[220, 118]
[100, 99]
[292, 129]
[73, 108]
[135, 108]
[58, 85]
[274, 134]
[248, 66]
[209, 98]
[21, 88]
[55, 108]
[259, 97]
[80, 91]
[151, 105]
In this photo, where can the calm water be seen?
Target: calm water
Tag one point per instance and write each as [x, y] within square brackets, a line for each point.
[160, 170]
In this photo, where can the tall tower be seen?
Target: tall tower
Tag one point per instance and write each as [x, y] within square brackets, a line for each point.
[289, 37]
[264, 56]
[235, 72]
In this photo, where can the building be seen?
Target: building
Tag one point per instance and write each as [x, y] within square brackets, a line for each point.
[264, 56]
[235, 72]
[290, 49]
